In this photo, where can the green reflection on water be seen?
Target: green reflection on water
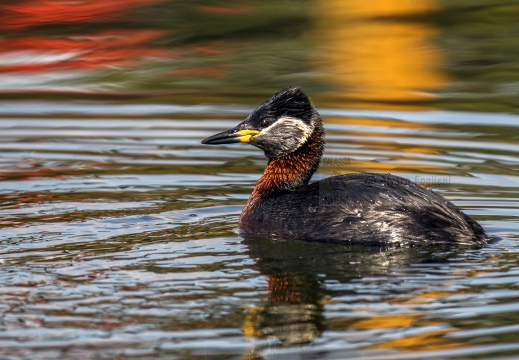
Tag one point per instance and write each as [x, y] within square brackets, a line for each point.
[377, 55]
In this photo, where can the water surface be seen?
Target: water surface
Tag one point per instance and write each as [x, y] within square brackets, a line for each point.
[118, 228]
[118, 237]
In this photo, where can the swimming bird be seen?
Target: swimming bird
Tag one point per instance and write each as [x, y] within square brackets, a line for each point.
[353, 208]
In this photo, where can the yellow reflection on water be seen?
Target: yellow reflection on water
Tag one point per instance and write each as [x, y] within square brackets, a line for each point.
[377, 51]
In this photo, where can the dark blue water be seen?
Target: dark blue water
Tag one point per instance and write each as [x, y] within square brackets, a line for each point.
[118, 228]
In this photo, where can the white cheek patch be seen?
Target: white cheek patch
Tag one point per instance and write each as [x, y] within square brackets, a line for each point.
[289, 133]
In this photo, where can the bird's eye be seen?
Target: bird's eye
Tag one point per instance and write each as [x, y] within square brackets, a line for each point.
[265, 122]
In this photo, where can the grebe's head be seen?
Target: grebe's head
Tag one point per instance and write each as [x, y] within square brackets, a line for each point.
[279, 126]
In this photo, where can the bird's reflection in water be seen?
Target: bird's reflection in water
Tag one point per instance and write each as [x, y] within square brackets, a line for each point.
[297, 273]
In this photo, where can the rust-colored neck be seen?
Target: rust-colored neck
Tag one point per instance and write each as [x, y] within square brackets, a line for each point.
[289, 172]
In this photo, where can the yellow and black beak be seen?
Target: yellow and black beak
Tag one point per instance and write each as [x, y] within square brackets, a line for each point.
[231, 136]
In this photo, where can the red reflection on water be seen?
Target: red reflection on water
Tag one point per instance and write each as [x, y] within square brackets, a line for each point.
[37, 12]
[217, 48]
[51, 44]
[114, 48]
[73, 50]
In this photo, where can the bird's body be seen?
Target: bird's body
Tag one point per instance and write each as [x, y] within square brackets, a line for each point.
[356, 208]
[361, 208]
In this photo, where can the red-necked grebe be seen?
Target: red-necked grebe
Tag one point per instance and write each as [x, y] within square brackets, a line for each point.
[356, 208]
